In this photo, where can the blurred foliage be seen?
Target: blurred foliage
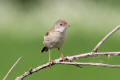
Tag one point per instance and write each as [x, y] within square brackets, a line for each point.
[23, 24]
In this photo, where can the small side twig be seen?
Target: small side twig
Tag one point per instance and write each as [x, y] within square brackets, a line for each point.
[105, 38]
[12, 68]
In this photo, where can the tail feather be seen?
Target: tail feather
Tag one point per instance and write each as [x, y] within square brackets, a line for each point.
[44, 49]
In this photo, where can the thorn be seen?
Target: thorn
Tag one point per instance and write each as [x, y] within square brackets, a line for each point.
[30, 70]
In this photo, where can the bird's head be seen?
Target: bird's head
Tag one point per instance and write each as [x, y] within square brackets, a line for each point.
[61, 25]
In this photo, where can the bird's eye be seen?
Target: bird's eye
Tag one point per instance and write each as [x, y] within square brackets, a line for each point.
[60, 24]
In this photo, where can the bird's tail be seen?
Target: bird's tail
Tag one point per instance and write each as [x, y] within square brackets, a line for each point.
[44, 49]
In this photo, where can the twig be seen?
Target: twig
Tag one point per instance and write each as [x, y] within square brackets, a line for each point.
[105, 38]
[89, 64]
[12, 68]
[71, 58]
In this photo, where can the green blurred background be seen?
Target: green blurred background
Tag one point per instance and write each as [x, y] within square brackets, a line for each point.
[23, 24]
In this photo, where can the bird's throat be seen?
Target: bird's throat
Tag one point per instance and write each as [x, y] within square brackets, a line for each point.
[60, 29]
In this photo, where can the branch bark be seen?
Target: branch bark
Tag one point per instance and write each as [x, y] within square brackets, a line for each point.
[12, 68]
[89, 64]
[71, 58]
[105, 38]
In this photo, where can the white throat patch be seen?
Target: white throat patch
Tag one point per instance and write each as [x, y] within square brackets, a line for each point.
[60, 29]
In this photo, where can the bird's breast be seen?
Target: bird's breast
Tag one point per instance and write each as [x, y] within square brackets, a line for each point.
[58, 37]
[55, 39]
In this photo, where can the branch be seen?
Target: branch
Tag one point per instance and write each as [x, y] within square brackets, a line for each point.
[12, 68]
[105, 38]
[71, 58]
[89, 64]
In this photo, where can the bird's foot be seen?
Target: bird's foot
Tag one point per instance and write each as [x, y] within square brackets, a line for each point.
[50, 62]
[62, 56]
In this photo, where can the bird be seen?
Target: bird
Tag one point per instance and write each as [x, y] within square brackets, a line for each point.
[55, 38]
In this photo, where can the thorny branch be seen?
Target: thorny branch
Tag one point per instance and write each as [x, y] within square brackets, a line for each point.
[71, 58]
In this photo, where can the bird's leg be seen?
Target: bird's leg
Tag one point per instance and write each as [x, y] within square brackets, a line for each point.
[61, 54]
[49, 56]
